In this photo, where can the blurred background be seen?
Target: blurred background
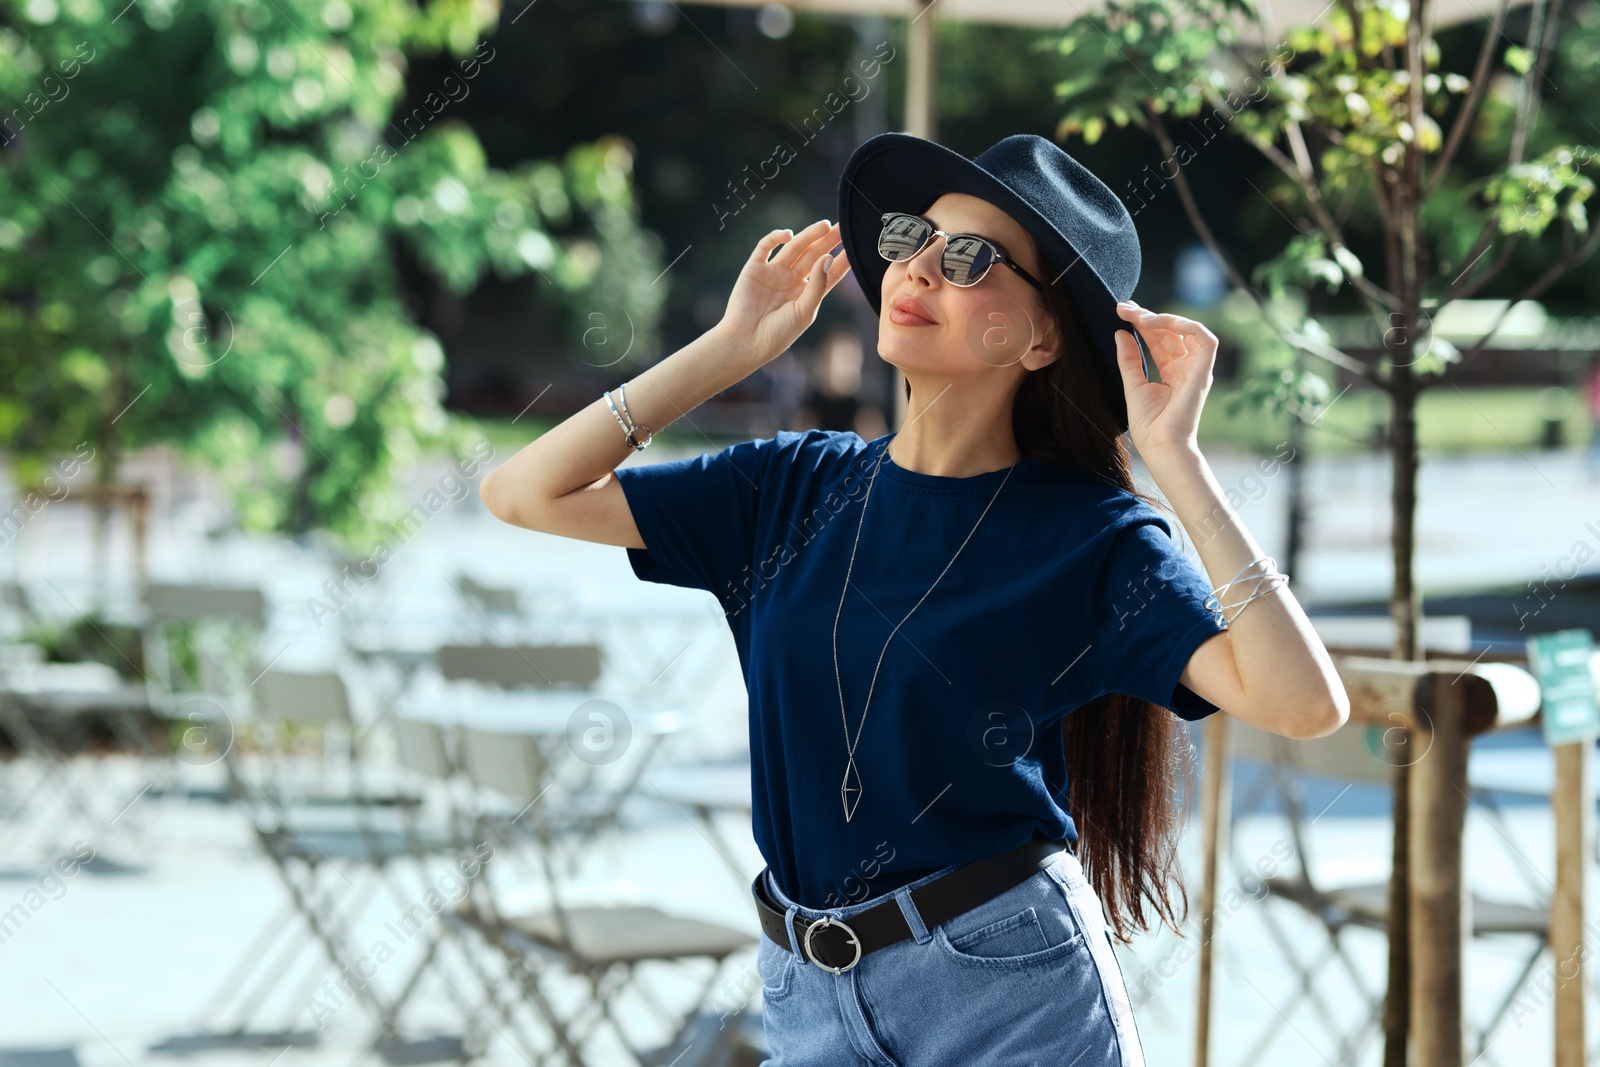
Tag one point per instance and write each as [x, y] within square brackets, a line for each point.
[305, 758]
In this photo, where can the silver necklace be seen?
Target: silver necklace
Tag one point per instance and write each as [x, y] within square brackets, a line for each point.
[850, 788]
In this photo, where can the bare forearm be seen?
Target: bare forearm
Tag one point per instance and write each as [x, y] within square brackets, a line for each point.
[1284, 671]
[588, 445]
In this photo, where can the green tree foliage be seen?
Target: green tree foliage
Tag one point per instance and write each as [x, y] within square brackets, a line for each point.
[1408, 185]
[1368, 166]
[204, 206]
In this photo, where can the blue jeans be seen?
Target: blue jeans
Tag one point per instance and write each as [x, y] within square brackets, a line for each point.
[1027, 977]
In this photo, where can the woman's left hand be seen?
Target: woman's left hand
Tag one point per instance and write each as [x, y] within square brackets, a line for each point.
[1165, 415]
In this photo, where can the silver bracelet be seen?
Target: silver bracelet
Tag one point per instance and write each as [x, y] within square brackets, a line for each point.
[1273, 578]
[630, 432]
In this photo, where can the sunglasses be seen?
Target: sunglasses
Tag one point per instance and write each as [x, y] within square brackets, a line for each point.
[967, 257]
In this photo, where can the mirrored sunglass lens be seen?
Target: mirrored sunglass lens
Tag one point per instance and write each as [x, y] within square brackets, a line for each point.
[967, 259]
[902, 237]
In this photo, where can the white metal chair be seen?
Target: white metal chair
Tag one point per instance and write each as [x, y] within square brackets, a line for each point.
[1347, 758]
[198, 644]
[333, 849]
[605, 944]
[426, 750]
[46, 710]
[199, 641]
[551, 691]
[490, 607]
[1500, 775]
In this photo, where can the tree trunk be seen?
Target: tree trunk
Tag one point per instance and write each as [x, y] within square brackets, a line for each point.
[1295, 534]
[106, 463]
[1405, 605]
[1405, 610]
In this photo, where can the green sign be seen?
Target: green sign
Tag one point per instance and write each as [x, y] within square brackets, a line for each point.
[1560, 660]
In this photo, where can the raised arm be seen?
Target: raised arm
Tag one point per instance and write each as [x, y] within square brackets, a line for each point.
[1268, 668]
[561, 483]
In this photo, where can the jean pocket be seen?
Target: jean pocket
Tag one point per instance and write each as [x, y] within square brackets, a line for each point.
[1034, 935]
[776, 965]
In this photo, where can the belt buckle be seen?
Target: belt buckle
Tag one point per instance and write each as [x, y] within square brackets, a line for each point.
[828, 920]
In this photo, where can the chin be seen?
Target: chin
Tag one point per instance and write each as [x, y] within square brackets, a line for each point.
[908, 354]
[898, 356]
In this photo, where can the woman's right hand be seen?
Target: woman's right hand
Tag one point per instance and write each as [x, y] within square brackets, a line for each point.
[774, 302]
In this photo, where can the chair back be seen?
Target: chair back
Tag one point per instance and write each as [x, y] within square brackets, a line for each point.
[521, 666]
[165, 602]
[13, 597]
[423, 748]
[491, 599]
[296, 696]
[506, 763]
[220, 624]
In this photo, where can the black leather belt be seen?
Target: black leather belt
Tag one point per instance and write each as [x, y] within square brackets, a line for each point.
[836, 946]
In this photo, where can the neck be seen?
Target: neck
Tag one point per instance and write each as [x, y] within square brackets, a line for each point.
[950, 440]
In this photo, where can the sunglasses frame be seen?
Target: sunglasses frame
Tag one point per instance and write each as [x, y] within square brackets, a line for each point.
[999, 254]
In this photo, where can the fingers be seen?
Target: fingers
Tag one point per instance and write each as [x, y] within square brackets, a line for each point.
[800, 251]
[820, 271]
[1130, 364]
[764, 247]
[807, 245]
[818, 283]
[811, 296]
[827, 250]
[838, 267]
[1146, 318]
[826, 274]
[1150, 320]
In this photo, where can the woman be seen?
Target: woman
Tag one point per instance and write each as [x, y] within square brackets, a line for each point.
[999, 635]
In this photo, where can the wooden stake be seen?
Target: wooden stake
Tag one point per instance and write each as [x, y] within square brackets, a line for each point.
[1573, 805]
[1216, 803]
[1441, 918]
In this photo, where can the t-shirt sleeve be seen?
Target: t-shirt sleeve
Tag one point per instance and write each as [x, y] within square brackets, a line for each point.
[697, 516]
[1147, 615]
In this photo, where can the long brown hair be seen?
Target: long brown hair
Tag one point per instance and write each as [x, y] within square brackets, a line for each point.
[1125, 757]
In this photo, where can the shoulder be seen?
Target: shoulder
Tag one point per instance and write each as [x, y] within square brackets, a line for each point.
[811, 449]
[814, 440]
[1105, 506]
[785, 452]
[786, 460]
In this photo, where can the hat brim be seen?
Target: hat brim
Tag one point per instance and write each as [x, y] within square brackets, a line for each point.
[903, 172]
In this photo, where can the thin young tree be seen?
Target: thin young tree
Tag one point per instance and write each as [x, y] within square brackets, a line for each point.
[1443, 176]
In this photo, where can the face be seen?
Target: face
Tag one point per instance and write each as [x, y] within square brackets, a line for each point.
[997, 327]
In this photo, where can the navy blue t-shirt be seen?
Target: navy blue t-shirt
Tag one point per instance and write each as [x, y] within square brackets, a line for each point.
[1071, 587]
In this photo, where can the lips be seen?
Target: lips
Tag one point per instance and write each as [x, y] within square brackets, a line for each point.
[908, 306]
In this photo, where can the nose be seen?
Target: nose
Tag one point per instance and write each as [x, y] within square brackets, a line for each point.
[926, 263]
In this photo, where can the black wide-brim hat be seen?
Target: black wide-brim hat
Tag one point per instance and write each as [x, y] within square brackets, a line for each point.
[1083, 232]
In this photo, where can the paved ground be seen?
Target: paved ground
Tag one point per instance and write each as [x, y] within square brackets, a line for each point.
[132, 952]
[128, 960]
